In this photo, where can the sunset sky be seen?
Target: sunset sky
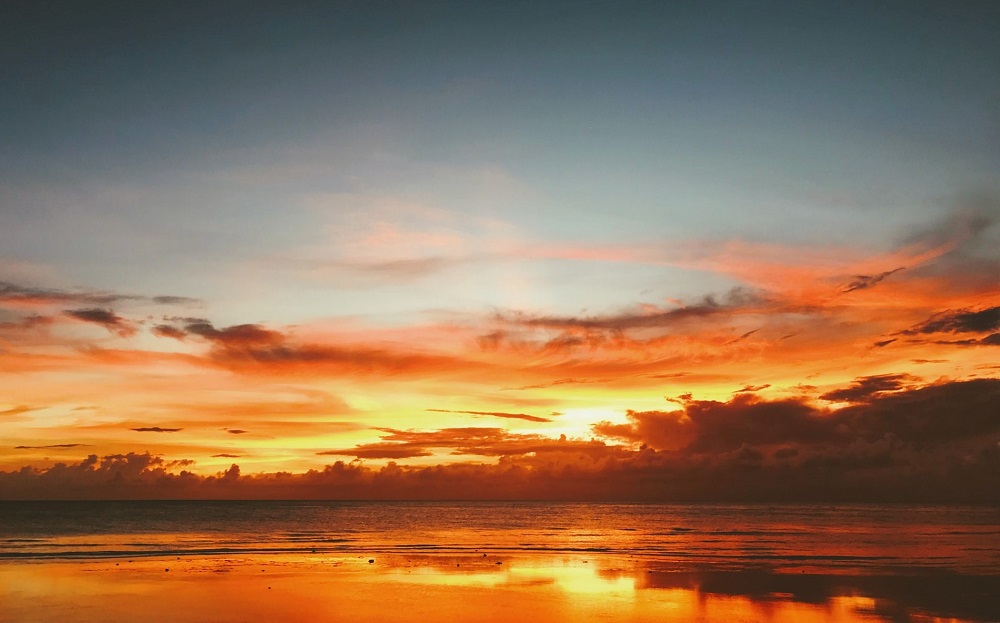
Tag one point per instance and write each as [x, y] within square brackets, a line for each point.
[739, 250]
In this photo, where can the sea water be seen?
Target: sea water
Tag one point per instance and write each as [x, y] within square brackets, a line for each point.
[556, 561]
[859, 538]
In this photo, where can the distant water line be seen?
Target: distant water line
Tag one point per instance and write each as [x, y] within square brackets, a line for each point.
[837, 538]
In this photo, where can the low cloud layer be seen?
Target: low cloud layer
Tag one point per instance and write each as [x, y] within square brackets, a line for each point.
[939, 442]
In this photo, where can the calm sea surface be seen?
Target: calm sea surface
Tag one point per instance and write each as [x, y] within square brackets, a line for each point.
[824, 538]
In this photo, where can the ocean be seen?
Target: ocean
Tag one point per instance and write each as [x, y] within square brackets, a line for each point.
[922, 560]
[863, 538]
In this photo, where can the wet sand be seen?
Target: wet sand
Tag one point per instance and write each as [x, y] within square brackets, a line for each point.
[488, 588]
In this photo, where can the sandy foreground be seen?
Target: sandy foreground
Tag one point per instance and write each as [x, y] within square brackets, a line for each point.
[424, 588]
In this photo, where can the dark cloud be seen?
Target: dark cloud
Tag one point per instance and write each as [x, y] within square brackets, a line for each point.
[960, 321]
[253, 347]
[708, 426]
[52, 446]
[884, 409]
[741, 337]
[862, 282]
[882, 343]
[31, 295]
[991, 340]
[499, 414]
[28, 295]
[379, 451]
[104, 317]
[864, 388]
[477, 441]
[99, 316]
[237, 335]
[225, 455]
[155, 429]
[736, 299]
[406, 444]
[235, 431]
[933, 415]
[164, 330]
[936, 443]
[752, 388]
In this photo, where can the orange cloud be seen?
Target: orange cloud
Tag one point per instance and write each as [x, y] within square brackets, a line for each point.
[903, 444]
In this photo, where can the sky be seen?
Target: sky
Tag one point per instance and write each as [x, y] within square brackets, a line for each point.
[553, 250]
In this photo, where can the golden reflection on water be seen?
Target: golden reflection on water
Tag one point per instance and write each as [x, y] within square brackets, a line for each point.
[397, 588]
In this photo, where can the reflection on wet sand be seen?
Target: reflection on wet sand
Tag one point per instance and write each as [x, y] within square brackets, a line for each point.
[470, 588]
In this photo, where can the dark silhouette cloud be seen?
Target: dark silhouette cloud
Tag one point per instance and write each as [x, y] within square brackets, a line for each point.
[960, 321]
[106, 318]
[708, 426]
[251, 348]
[476, 441]
[736, 299]
[52, 446]
[934, 415]
[865, 387]
[752, 388]
[156, 429]
[226, 455]
[237, 335]
[29, 295]
[164, 330]
[36, 296]
[862, 282]
[992, 339]
[885, 411]
[379, 451]
[937, 443]
[742, 337]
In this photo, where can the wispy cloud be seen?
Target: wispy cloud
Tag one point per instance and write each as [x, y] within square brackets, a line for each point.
[862, 282]
[500, 414]
[12, 294]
